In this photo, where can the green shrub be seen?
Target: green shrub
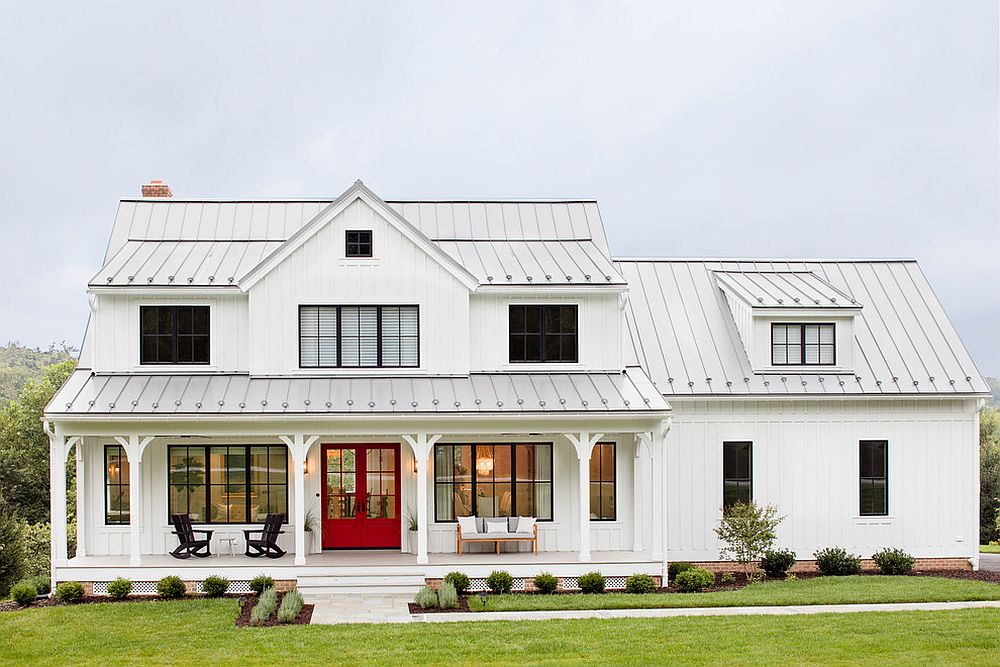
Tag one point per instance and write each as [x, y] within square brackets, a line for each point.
[215, 586]
[694, 579]
[291, 605]
[266, 605]
[458, 580]
[447, 596]
[835, 561]
[69, 592]
[640, 583]
[23, 592]
[120, 588]
[37, 545]
[592, 582]
[12, 562]
[171, 587]
[545, 583]
[778, 562]
[727, 578]
[893, 561]
[500, 582]
[673, 569]
[41, 583]
[427, 598]
[261, 583]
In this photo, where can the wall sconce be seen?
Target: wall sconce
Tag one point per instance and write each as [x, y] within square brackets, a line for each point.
[305, 466]
[413, 465]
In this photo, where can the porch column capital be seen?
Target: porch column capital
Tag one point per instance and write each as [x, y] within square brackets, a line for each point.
[298, 445]
[583, 442]
[134, 446]
[421, 444]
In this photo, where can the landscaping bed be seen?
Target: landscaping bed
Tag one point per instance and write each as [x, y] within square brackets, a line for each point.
[247, 603]
[51, 601]
[463, 605]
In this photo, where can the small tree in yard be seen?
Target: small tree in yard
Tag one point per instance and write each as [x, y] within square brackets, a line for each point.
[747, 530]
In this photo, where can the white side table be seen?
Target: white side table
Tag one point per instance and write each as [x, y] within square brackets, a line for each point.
[231, 542]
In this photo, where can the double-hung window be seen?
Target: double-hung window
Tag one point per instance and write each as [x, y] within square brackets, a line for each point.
[359, 336]
[737, 473]
[602, 482]
[174, 335]
[542, 334]
[803, 344]
[874, 469]
[116, 485]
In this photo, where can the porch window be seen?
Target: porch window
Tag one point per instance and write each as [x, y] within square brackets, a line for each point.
[737, 473]
[174, 335]
[542, 334]
[228, 484]
[116, 490]
[493, 480]
[602, 482]
[874, 478]
[803, 344]
[359, 336]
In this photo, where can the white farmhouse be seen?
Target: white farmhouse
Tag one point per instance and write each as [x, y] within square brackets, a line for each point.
[373, 373]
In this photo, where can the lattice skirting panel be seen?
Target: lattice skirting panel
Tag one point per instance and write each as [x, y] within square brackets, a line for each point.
[149, 587]
[478, 584]
[610, 583]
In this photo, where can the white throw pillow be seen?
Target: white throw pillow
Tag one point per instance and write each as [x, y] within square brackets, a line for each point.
[494, 526]
[468, 524]
[525, 524]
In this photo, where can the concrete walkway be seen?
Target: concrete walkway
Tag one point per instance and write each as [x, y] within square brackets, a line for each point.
[361, 608]
[989, 562]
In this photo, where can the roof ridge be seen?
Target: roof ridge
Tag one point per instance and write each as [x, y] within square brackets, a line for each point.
[815, 260]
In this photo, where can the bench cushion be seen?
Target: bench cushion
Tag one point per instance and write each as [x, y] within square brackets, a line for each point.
[468, 524]
[481, 537]
[525, 524]
[497, 526]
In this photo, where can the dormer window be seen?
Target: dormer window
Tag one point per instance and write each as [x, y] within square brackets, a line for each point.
[797, 344]
[173, 335]
[359, 243]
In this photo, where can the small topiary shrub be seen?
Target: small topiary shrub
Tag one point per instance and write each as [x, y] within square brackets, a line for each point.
[592, 582]
[500, 582]
[261, 583]
[458, 580]
[171, 587]
[728, 578]
[893, 561]
[673, 569]
[291, 605]
[447, 596]
[778, 562]
[120, 588]
[640, 583]
[215, 586]
[545, 583]
[266, 605]
[69, 592]
[23, 593]
[836, 562]
[427, 598]
[41, 583]
[695, 579]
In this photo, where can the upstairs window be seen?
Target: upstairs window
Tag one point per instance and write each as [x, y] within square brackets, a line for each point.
[737, 473]
[174, 335]
[543, 334]
[874, 477]
[359, 337]
[803, 345]
[359, 243]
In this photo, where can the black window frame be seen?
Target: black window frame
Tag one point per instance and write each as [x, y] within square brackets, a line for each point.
[513, 474]
[871, 479]
[600, 480]
[123, 483]
[358, 243]
[802, 344]
[740, 481]
[175, 334]
[542, 335]
[206, 450]
[340, 337]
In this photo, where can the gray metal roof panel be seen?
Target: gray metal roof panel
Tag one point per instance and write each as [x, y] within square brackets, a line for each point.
[783, 289]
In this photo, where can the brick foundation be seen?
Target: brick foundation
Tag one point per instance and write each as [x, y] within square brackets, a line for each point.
[529, 583]
[867, 565]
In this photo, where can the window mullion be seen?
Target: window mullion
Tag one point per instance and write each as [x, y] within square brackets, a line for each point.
[378, 336]
[338, 363]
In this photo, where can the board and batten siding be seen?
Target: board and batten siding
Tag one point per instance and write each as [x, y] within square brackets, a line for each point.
[805, 462]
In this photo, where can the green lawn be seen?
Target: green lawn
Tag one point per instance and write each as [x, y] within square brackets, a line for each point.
[989, 548]
[202, 631]
[819, 590]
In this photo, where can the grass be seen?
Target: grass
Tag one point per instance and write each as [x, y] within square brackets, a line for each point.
[989, 548]
[819, 590]
[202, 631]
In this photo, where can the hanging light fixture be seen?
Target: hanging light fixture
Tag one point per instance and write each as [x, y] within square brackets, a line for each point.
[484, 465]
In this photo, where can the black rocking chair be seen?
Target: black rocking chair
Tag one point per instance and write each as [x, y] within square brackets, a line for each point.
[267, 545]
[189, 546]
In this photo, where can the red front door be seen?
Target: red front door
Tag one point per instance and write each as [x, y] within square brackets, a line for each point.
[361, 497]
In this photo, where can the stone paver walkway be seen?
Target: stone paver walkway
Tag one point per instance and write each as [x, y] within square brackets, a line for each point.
[362, 608]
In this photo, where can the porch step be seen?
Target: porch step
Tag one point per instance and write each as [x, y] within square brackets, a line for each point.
[326, 586]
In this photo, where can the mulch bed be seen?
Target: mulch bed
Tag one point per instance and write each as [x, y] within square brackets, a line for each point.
[981, 575]
[246, 606]
[463, 605]
[103, 599]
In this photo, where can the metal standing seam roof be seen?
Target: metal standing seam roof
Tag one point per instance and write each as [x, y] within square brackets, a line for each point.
[194, 263]
[681, 331]
[86, 393]
[783, 289]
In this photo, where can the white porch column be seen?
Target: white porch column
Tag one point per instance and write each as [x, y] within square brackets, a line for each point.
[57, 500]
[637, 495]
[134, 445]
[583, 443]
[81, 497]
[298, 446]
[664, 481]
[422, 444]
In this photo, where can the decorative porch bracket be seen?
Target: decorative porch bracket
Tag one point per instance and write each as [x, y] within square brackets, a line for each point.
[422, 444]
[134, 446]
[59, 448]
[583, 443]
[298, 445]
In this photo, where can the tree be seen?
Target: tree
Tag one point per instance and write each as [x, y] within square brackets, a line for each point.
[989, 473]
[11, 548]
[747, 530]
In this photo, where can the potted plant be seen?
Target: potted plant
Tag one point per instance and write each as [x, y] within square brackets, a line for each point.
[314, 527]
[411, 522]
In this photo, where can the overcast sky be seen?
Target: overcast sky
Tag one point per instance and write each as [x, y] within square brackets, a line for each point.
[773, 129]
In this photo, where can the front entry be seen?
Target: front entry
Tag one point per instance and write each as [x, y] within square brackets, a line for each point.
[361, 497]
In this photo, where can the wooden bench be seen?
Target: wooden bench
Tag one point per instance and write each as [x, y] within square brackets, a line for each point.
[512, 534]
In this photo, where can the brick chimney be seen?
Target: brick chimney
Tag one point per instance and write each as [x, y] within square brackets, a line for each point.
[156, 189]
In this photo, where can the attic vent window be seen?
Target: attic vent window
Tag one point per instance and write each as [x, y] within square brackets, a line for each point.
[803, 344]
[359, 243]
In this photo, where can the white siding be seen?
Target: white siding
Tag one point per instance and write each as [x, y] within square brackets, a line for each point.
[805, 462]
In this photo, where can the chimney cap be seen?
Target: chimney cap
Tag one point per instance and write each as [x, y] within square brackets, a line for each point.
[156, 188]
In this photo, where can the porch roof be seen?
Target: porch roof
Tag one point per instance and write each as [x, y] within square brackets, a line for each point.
[142, 394]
